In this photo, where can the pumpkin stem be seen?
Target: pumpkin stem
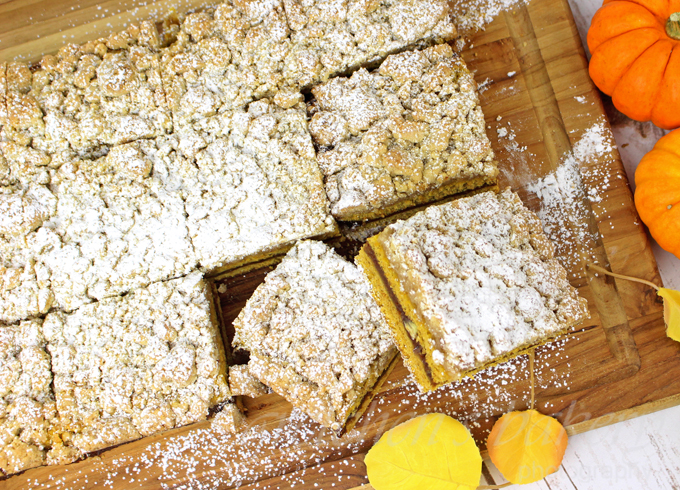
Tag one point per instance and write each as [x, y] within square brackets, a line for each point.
[489, 487]
[597, 268]
[673, 26]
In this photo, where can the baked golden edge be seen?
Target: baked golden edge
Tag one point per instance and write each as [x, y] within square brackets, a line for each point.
[266, 257]
[435, 194]
[346, 419]
[358, 409]
[398, 309]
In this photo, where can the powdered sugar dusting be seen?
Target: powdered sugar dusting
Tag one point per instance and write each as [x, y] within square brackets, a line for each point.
[315, 334]
[483, 276]
[475, 15]
[564, 196]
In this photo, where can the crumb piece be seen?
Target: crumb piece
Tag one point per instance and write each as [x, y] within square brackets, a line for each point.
[229, 420]
[242, 383]
[137, 365]
[27, 406]
[479, 282]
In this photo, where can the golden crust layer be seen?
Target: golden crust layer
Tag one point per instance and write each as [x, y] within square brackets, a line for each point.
[469, 284]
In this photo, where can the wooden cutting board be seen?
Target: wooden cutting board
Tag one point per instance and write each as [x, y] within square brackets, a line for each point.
[615, 366]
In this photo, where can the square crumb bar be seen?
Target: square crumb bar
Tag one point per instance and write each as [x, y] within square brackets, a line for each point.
[116, 227]
[226, 57]
[29, 436]
[409, 132]
[316, 336]
[250, 182]
[104, 92]
[136, 365]
[24, 287]
[468, 284]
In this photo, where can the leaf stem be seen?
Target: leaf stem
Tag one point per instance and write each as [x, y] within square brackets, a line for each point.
[597, 268]
[490, 487]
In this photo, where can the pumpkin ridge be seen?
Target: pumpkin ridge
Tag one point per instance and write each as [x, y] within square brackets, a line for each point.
[605, 19]
[627, 32]
[613, 89]
[662, 18]
[665, 69]
[633, 62]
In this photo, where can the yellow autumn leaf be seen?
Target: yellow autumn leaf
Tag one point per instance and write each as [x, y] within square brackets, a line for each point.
[430, 452]
[671, 312]
[527, 446]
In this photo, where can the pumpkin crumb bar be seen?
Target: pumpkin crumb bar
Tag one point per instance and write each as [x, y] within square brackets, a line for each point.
[136, 365]
[410, 132]
[104, 92]
[468, 284]
[29, 436]
[316, 337]
[251, 184]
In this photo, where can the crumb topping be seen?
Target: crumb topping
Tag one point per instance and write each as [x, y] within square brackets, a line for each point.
[212, 193]
[132, 366]
[104, 92]
[238, 52]
[27, 404]
[332, 37]
[483, 275]
[314, 332]
[250, 182]
[411, 125]
[242, 383]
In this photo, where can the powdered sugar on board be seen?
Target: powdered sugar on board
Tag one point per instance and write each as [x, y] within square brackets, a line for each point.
[475, 15]
[566, 200]
[204, 458]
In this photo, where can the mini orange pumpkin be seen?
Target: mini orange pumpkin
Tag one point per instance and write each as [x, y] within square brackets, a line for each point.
[657, 193]
[635, 47]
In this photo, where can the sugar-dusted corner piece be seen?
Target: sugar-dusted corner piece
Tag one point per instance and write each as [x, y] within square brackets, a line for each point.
[467, 284]
[250, 183]
[410, 132]
[316, 336]
[136, 365]
[242, 383]
[29, 434]
[104, 92]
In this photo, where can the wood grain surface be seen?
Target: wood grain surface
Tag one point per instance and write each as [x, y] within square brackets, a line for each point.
[617, 365]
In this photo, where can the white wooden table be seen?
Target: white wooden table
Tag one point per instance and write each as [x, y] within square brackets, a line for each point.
[643, 453]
